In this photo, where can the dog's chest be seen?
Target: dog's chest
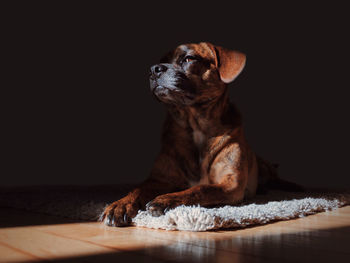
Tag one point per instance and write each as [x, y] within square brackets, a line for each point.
[198, 139]
[200, 142]
[208, 148]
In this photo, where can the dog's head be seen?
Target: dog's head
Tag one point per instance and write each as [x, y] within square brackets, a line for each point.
[195, 73]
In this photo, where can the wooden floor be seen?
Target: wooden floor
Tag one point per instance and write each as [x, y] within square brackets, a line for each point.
[30, 237]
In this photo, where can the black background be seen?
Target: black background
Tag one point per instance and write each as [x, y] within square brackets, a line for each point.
[78, 109]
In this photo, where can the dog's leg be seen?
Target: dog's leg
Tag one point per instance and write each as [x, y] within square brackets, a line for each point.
[203, 195]
[121, 212]
[228, 179]
[165, 178]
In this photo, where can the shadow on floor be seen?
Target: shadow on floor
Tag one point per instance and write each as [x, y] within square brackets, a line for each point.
[327, 245]
[12, 217]
[69, 203]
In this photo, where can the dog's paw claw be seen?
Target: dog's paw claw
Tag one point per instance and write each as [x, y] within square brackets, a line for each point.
[119, 214]
[156, 209]
[109, 220]
[127, 219]
[148, 205]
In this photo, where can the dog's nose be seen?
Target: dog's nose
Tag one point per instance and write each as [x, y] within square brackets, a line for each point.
[158, 69]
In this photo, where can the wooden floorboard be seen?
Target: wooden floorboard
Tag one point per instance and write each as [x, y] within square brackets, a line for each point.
[10, 254]
[31, 237]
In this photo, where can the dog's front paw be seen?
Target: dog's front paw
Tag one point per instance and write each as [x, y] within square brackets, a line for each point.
[160, 205]
[120, 213]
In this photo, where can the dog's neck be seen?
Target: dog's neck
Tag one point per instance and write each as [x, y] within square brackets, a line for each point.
[207, 118]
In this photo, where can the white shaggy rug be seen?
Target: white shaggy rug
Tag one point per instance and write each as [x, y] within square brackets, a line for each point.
[88, 202]
[196, 218]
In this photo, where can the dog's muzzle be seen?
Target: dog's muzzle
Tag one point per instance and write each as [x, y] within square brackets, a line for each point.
[164, 82]
[157, 70]
[155, 73]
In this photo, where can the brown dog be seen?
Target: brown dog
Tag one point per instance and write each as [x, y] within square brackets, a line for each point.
[205, 159]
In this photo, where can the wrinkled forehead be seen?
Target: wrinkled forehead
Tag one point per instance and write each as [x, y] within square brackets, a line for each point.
[202, 50]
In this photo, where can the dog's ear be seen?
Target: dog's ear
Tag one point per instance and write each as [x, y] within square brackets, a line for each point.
[229, 62]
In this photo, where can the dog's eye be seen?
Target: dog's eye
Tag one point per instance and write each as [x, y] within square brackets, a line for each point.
[189, 59]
